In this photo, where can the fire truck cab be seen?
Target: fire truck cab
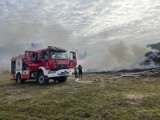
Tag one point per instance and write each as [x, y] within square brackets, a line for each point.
[50, 63]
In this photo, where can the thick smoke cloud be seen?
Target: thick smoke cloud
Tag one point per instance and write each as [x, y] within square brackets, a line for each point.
[115, 55]
[56, 35]
[17, 35]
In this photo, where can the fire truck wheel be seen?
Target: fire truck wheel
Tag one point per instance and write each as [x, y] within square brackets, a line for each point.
[41, 80]
[62, 79]
[18, 79]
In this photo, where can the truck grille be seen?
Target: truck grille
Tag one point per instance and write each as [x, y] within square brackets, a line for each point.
[62, 67]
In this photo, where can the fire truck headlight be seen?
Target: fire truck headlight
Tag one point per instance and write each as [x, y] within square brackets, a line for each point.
[51, 72]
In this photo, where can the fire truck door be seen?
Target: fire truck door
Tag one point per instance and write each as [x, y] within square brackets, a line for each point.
[29, 55]
[45, 57]
[19, 66]
[73, 60]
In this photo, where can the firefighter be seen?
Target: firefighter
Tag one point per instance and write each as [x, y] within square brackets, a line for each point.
[75, 72]
[33, 57]
[80, 71]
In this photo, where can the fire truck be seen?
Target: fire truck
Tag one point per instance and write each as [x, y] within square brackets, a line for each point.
[50, 63]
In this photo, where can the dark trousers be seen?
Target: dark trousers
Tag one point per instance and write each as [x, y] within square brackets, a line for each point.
[76, 74]
[80, 74]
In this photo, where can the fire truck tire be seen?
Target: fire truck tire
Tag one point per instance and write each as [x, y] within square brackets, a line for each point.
[18, 79]
[41, 80]
[62, 79]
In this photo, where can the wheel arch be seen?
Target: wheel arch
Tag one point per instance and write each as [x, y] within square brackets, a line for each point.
[39, 71]
[42, 69]
[19, 78]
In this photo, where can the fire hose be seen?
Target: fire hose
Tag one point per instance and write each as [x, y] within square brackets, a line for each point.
[134, 74]
[78, 81]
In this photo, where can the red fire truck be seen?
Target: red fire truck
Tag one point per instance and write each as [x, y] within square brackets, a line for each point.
[50, 63]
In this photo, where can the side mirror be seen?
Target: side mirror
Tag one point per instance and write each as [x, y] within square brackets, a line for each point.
[46, 57]
[72, 56]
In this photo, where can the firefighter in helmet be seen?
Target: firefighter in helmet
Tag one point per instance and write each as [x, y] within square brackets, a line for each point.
[80, 71]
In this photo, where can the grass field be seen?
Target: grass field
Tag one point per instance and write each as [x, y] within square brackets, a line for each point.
[129, 98]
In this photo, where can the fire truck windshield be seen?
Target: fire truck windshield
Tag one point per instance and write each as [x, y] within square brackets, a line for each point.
[59, 55]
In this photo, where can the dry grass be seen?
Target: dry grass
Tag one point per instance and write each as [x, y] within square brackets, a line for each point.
[138, 96]
[129, 98]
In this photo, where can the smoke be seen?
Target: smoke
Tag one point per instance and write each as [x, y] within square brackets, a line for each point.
[56, 35]
[32, 25]
[81, 54]
[115, 55]
[18, 35]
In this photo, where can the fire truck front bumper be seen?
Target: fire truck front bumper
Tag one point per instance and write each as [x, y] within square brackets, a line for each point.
[63, 72]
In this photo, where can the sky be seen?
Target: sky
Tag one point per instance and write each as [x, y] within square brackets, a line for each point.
[105, 29]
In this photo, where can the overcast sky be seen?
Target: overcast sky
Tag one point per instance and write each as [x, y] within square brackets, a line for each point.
[79, 23]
